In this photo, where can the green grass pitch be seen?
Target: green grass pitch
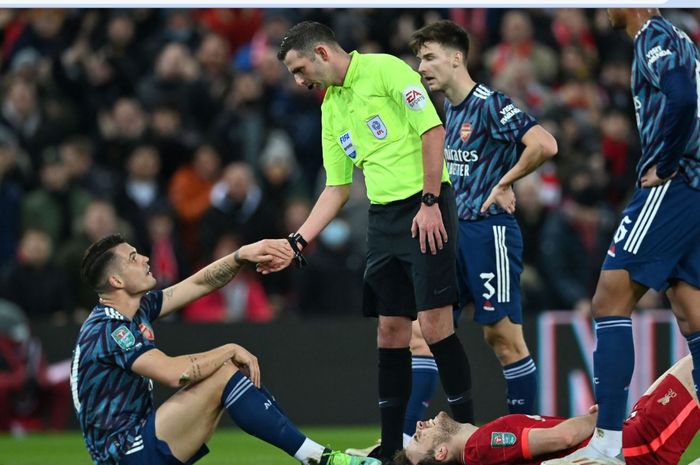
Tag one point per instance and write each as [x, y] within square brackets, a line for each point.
[228, 447]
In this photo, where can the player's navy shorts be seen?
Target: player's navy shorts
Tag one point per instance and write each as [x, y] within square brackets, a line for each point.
[661, 425]
[147, 449]
[399, 279]
[658, 240]
[489, 262]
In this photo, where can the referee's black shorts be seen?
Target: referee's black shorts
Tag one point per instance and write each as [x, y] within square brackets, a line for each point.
[399, 279]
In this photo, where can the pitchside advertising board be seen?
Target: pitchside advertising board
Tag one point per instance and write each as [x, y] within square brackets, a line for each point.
[293, 352]
[565, 342]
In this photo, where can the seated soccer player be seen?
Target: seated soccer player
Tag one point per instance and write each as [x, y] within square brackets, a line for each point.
[659, 429]
[116, 361]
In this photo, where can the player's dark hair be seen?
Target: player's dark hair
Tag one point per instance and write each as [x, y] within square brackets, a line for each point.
[304, 36]
[443, 32]
[96, 260]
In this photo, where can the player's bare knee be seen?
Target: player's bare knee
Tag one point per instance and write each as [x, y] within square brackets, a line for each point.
[392, 333]
[436, 324]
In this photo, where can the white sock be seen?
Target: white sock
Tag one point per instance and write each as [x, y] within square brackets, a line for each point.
[309, 450]
[607, 442]
[406, 438]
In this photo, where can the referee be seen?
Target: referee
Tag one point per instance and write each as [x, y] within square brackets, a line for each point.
[377, 116]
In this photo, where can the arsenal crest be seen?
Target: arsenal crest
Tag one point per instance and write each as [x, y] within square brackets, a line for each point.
[465, 131]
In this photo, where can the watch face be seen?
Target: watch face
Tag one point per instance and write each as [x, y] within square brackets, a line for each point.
[429, 199]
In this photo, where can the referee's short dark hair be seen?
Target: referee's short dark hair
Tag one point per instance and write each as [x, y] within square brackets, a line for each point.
[444, 32]
[97, 259]
[303, 36]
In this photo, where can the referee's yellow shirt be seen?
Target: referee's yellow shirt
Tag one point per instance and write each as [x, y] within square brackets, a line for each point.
[375, 120]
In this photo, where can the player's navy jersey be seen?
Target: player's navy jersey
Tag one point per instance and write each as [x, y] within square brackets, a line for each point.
[658, 48]
[482, 143]
[111, 401]
[505, 441]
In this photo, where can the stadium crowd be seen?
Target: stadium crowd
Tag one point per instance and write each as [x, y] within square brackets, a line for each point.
[180, 129]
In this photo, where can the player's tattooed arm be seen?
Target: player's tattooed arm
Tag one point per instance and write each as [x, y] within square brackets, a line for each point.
[193, 374]
[220, 273]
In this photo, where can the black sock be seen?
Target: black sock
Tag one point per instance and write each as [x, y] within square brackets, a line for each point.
[456, 377]
[394, 391]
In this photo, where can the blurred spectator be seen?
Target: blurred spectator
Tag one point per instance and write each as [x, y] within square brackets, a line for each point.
[238, 207]
[189, 193]
[517, 79]
[573, 243]
[10, 198]
[164, 248]
[517, 43]
[241, 300]
[281, 178]
[239, 128]
[56, 206]
[175, 80]
[531, 214]
[171, 137]
[121, 130]
[33, 395]
[570, 28]
[236, 25]
[213, 56]
[141, 192]
[619, 149]
[24, 117]
[84, 173]
[331, 284]
[100, 219]
[33, 281]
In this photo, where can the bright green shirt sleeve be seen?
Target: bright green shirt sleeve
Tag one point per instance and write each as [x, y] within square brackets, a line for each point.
[404, 86]
[338, 166]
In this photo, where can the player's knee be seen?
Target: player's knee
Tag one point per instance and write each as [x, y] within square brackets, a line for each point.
[220, 378]
[507, 348]
[392, 334]
[436, 324]
[602, 305]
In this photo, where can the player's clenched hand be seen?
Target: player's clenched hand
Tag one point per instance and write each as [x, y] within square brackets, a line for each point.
[503, 196]
[428, 225]
[269, 254]
[651, 179]
[247, 363]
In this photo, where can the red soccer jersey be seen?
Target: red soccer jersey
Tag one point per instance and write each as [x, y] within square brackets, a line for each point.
[504, 441]
[661, 425]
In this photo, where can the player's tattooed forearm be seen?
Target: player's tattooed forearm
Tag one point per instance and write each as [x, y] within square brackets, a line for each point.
[219, 274]
[186, 378]
[169, 292]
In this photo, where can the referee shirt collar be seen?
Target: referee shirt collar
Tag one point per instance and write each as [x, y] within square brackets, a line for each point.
[351, 74]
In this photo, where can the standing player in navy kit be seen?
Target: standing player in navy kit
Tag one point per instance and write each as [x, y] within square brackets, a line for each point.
[657, 244]
[489, 144]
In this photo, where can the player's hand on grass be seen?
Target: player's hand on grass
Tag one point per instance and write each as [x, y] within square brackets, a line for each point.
[247, 363]
[427, 224]
[651, 179]
[503, 196]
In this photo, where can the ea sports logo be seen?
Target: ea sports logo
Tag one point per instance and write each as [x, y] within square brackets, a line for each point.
[414, 98]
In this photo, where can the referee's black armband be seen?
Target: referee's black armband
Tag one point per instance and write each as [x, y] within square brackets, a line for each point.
[294, 240]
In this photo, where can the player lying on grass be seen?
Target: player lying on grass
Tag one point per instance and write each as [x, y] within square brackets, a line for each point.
[115, 362]
[659, 429]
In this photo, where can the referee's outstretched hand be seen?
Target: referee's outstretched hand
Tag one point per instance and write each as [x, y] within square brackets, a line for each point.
[427, 224]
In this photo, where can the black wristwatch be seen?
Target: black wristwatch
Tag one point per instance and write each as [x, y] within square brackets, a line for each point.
[296, 239]
[429, 199]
